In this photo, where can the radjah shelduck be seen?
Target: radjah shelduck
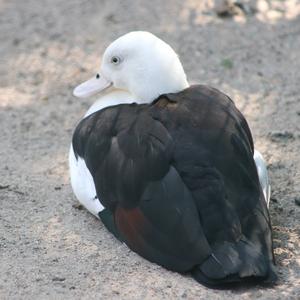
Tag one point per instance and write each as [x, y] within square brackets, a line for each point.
[171, 168]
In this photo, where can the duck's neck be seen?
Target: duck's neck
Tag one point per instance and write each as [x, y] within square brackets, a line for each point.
[148, 93]
[116, 96]
[112, 98]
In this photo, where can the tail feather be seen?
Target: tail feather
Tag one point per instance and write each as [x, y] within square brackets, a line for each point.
[235, 262]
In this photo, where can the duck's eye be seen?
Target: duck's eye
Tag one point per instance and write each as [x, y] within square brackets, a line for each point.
[97, 76]
[115, 60]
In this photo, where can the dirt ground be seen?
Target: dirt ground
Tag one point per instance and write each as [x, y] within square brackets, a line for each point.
[52, 250]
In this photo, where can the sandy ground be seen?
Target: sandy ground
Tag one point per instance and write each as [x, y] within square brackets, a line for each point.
[50, 249]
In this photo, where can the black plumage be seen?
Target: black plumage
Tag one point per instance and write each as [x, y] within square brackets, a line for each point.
[180, 186]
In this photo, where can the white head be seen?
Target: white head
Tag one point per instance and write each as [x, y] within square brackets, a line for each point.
[139, 63]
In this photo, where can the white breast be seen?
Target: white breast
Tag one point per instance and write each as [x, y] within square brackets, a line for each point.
[83, 184]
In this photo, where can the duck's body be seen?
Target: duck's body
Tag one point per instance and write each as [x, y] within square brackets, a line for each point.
[181, 183]
[177, 181]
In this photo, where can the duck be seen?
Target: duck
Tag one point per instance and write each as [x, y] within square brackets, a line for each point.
[170, 168]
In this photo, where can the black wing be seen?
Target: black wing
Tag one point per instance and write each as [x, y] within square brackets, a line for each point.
[129, 155]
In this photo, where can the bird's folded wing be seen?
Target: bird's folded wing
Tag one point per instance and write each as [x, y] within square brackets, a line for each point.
[129, 155]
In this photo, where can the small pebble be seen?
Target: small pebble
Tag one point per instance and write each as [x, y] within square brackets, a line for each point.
[260, 74]
[297, 201]
[58, 279]
[77, 206]
[229, 8]
[16, 41]
[2, 187]
[281, 135]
